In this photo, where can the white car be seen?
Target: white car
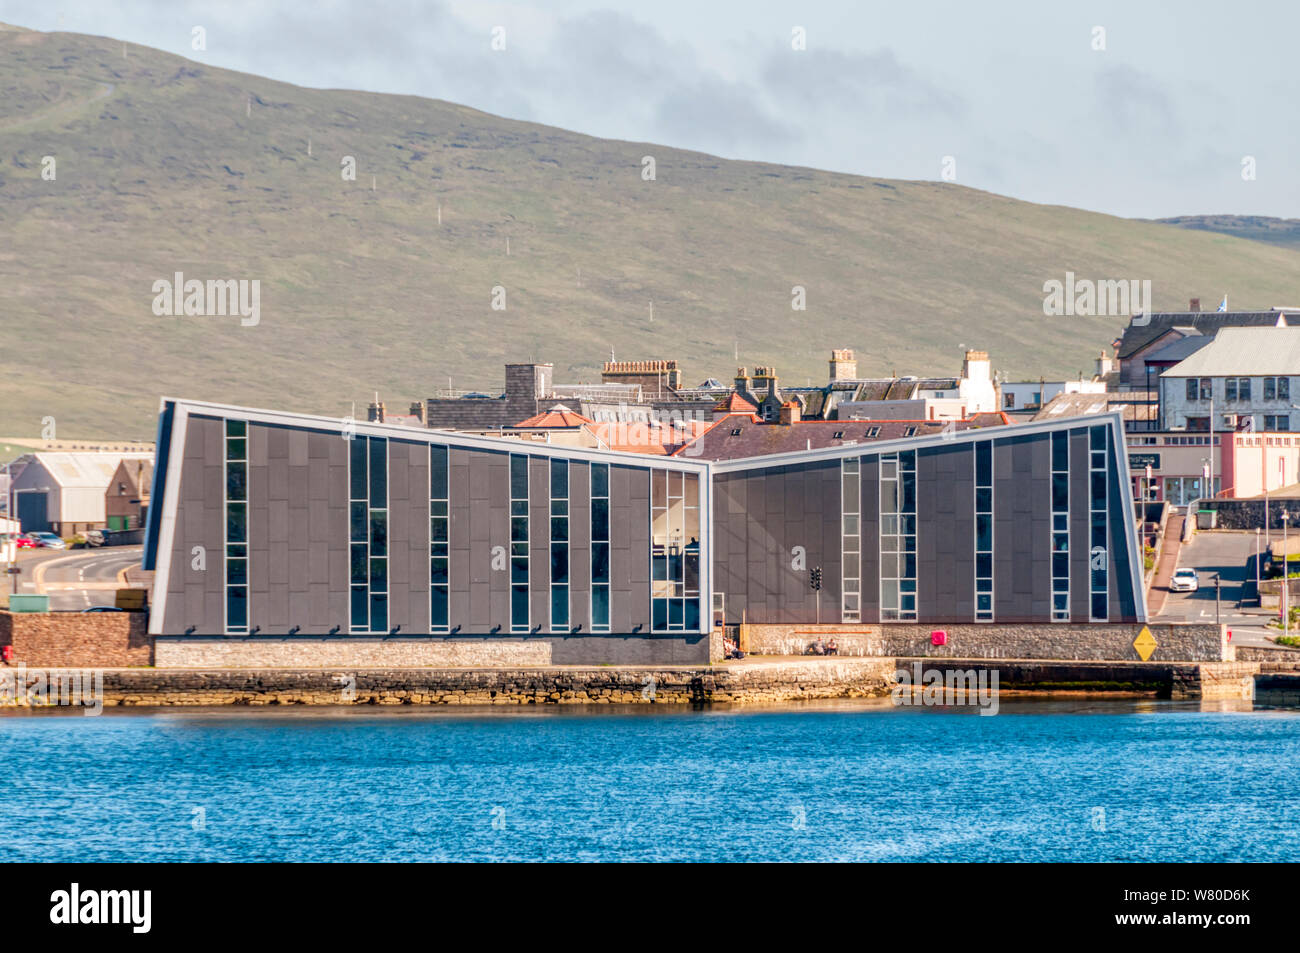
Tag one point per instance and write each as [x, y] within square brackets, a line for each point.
[1184, 581]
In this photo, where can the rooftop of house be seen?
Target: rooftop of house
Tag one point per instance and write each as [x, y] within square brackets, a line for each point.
[1137, 336]
[1132, 405]
[558, 416]
[744, 435]
[1244, 351]
[84, 470]
[1180, 349]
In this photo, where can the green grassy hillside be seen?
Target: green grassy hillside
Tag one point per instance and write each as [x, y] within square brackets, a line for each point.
[167, 165]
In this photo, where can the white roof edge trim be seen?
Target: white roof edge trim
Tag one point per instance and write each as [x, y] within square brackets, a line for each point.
[973, 435]
[450, 437]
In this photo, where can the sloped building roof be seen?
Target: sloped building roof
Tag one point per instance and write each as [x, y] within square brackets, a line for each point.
[1137, 336]
[1246, 352]
[744, 435]
[557, 416]
[84, 470]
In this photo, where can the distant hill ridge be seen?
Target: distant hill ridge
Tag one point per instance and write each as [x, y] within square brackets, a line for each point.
[386, 282]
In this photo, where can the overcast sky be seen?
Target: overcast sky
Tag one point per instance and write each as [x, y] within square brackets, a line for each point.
[1159, 122]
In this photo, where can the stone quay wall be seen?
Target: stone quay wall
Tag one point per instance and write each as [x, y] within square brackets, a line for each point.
[77, 639]
[669, 685]
[1083, 641]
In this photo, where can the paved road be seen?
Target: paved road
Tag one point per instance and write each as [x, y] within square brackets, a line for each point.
[1224, 552]
[78, 578]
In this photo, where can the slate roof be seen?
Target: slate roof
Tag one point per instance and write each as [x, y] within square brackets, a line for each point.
[1136, 337]
[756, 439]
[1178, 350]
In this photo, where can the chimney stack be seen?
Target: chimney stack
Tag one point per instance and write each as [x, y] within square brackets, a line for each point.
[1195, 305]
[790, 413]
[417, 410]
[375, 413]
[844, 366]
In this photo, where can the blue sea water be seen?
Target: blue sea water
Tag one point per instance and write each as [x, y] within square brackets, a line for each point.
[1119, 780]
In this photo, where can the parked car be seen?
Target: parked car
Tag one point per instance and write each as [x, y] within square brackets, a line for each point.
[103, 609]
[47, 540]
[25, 542]
[94, 537]
[1184, 581]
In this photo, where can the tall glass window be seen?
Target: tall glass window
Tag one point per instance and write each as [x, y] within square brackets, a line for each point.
[898, 536]
[674, 551]
[851, 538]
[368, 532]
[439, 540]
[236, 506]
[1061, 526]
[984, 531]
[559, 545]
[600, 547]
[1099, 554]
[519, 612]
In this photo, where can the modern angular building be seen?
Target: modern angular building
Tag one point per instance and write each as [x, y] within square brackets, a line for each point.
[277, 538]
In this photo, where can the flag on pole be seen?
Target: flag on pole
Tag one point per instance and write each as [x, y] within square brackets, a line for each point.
[1223, 305]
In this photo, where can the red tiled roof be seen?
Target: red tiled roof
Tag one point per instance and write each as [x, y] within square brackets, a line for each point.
[557, 416]
[755, 439]
[733, 403]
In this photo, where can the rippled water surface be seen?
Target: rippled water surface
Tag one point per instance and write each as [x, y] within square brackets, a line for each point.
[1106, 780]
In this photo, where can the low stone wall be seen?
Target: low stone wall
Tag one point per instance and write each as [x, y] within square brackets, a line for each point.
[741, 683]
[423, 651]
[233, 652]
[1277, 654]
[1091, 641]
[1248, 514]
[77, 639]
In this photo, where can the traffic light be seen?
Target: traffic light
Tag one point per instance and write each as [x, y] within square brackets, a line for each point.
[816, 577]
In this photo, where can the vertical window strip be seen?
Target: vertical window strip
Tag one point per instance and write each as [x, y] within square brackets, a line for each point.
[559, 545]
[1099, 521]
[851, 538]
[599, 477]
[674, 551]
[984, 531]
[235, 506]
[1061, 526]
[439, 540]
[898, 536]
[368, 533]
[520, 617]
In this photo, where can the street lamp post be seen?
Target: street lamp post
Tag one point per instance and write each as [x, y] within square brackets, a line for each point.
[1257, 593]
[1286, 579]
[1216, 598]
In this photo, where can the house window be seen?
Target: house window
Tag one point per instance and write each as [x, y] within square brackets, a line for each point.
[984, 531]
[873, 432]
[736, 432]
[674, 551]
[1060, 526]
[1207, 388]
[1193, 389]
[559, 545]
[1009, 400]
[1278, 422]
[519, 614]
[838, 435]
[368, 533]
[439, 540]
[1099, 554]
[898, 536]
[235, 502]
[1237, 388]
[600, 547]
[1277, 388]
[851, 539]
[909, 432]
